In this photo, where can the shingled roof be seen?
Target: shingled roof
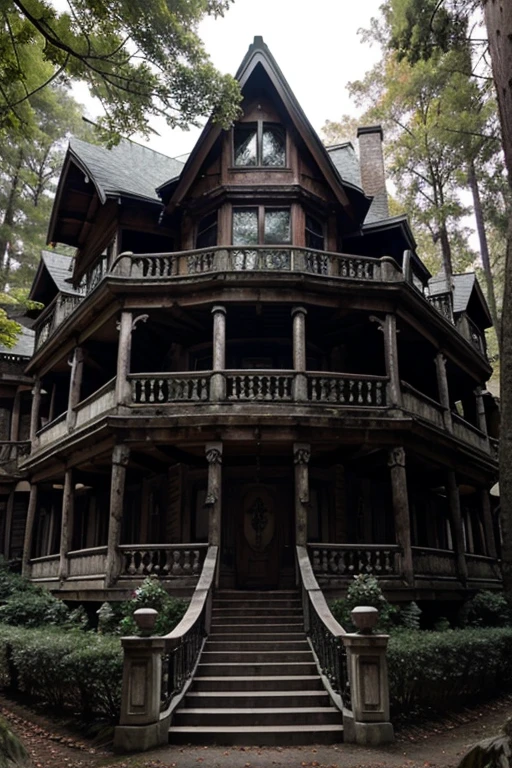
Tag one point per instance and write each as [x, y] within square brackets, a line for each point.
[60, 268]
[24, 346]
[127, 169]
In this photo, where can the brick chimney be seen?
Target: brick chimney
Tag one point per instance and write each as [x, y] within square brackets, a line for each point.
[371, 159]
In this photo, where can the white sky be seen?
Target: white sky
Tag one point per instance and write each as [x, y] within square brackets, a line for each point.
[315, 44]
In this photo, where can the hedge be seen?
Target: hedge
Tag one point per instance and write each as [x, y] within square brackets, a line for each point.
[77, 670]
[442, 670]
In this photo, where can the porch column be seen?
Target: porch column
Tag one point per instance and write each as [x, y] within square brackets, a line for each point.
[490, 541]
[480, 411]
[123, 392]
[14, 432]
[218, 382]
[400, 496]
[213, 452]
[34, 412]
[68, 498]
[301, 456]
[452, 492]
[391, 358]
[75, 386]
[120, 459]
[300, 382]
[444, 393]
[29, 531]
[8, 525]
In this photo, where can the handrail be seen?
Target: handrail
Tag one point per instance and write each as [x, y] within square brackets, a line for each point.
[184, 644]
[107, 387]
[324, 632]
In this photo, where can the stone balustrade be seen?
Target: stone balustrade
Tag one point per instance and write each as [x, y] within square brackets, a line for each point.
[163, 560]
[254, 386]
[169, 388]
[344, 389]
[346, 560]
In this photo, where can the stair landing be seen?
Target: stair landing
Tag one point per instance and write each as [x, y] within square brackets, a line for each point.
[256, 682]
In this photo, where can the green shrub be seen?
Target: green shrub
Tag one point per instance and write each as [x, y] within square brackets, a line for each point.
[33, 609]
[364, 590]
[445, 669]
[78, 670]
[151, 594]
[409, 616]
[485, 609]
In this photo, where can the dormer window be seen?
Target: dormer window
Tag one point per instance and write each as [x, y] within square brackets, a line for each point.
[259, 145]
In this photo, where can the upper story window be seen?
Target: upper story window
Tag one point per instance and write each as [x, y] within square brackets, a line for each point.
[259, 145]
[207, 231]
[314, 233]
[261, 226]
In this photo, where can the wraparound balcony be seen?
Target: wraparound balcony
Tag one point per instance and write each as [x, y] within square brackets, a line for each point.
[351, 392]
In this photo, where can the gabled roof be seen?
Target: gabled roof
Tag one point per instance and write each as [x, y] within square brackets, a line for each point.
[350, 196]
[52, 274]
[466, 289]
[345, 160]
[24, 346]
[126, 169]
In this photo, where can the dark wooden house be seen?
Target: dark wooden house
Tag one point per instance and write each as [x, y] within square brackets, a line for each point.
[247, 350]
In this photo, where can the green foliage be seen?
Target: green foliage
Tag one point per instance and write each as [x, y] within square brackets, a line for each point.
[442, 670]
[138, 59]
[79, 670]
[151, 594]
[486, 609]
[410, 616]
[12, 751]
[364, 590]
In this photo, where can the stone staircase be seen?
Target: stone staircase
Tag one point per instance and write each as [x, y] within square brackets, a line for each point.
[256, 682]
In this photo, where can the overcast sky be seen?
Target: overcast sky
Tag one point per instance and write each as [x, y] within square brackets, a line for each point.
[315, 44]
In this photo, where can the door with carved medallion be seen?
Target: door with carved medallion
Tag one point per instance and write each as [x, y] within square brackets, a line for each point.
[259, 537]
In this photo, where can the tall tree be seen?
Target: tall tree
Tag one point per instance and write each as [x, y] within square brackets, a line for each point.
[29, 167]
[139, 59]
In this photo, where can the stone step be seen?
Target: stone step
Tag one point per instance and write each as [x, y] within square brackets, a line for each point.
[236, 615]
[256, 668]
[267, 637]
[258, 683]
[256, 645]
[222, 716]
[257, 603]
[254, 657]
[261, 736]
[252, 699]
[221, 625]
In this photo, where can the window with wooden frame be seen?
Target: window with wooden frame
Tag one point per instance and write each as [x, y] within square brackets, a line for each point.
[206, 236]
[259, 144]
[261, 226]
[314, 233]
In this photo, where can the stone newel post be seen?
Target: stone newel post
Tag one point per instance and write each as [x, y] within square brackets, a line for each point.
[368, 721]
[300, 382]
[218, 383]
[301, 456]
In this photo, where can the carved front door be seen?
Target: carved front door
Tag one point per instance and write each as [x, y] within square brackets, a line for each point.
[257, 551]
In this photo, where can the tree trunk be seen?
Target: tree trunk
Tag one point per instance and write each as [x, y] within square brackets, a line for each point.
[10, 209]
[498, 20]
[446, 250]
[484, 247]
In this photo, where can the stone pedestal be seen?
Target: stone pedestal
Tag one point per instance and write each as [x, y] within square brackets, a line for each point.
[368, 723]
[140, 727]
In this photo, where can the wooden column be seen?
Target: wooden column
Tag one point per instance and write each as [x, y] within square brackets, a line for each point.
[34, 412]
[301, 456]
[68, 498]
[391, 359]
[75, 386]
[120, 459]
[300, 382]
[29, 531]
[452, 492]
[490, 541]
[213, 452]
[480, 411]
[400, 496]
[444, 393]
[8, 526]
[14, 432]
[123, 392]
[218, 382]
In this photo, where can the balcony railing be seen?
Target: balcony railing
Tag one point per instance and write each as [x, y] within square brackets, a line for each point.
[347, 560]
[12, 451]
[469, 433]
[483, 568]
[162, 560]
[434, 563]
[420, 404]
[153, 388]
[45, 568]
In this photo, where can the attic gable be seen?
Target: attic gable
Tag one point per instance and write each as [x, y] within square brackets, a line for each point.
[258, 75]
